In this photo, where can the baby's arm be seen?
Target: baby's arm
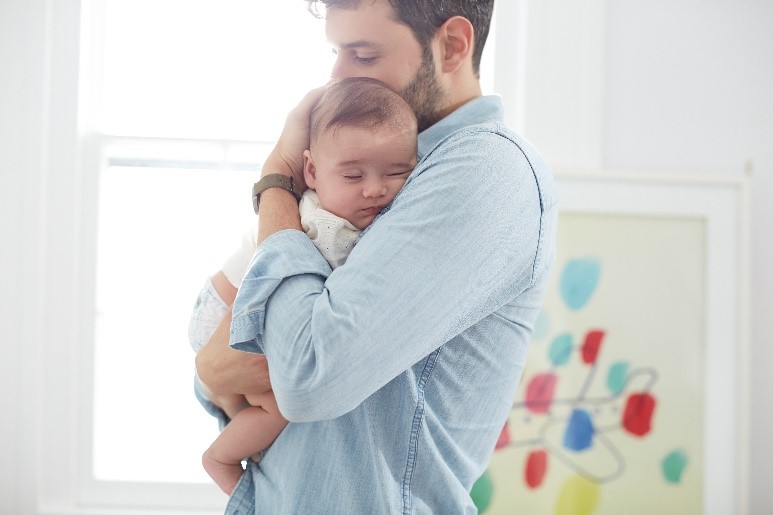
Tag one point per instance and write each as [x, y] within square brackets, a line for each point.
[250, 432]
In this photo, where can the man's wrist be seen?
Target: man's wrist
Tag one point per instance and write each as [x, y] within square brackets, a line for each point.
[275, 180]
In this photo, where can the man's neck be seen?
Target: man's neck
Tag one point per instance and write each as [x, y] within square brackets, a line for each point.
[462, 92]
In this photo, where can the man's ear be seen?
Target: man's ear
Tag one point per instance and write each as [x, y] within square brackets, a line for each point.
[309, 170]
[456, 38]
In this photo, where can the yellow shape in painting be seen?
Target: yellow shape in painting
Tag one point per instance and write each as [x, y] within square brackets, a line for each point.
[578, 496]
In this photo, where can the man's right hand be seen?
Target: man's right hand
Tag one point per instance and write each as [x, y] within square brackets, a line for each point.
[287, 155]
[226, 372]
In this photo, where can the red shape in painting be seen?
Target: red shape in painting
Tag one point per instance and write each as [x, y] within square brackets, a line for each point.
[591, 346]
[536, 466]
[637, 417]
[540, 391]
[504, 437]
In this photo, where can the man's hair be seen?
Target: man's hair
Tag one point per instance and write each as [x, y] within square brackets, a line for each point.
[360, 102]
[424, 17]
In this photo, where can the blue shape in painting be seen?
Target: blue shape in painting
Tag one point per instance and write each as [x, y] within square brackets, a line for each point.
[541, 326]
[617, 377]
[579, 431]
[560, 349]
[579, 280]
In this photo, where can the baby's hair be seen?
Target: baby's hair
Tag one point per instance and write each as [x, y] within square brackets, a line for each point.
[360, 102]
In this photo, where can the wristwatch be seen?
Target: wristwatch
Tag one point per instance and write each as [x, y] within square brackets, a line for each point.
[274, 180]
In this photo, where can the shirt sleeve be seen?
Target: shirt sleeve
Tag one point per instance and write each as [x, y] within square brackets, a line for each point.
[461, 239]
[208, 405]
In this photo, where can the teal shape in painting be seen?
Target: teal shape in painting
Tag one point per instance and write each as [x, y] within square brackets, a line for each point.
[560, 349]
[579, 432]
[673, 466]
[617, 376]
[578, 281]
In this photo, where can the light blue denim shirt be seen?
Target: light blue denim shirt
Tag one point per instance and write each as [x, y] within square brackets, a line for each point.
[397, 370]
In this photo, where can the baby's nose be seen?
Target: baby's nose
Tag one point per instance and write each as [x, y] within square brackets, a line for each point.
[374, 188]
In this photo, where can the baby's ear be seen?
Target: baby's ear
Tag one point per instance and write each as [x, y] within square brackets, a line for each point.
[309, 170]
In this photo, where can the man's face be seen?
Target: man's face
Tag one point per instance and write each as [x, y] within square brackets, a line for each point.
[369, 41]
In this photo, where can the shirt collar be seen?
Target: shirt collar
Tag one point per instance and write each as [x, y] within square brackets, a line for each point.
[478, 110]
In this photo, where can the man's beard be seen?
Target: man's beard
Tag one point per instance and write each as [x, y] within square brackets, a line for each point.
[424, 94]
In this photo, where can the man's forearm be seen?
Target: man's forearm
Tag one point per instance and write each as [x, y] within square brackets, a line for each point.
[226, 371]
[278, 212]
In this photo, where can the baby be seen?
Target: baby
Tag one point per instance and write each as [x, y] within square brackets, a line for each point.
[362, 149]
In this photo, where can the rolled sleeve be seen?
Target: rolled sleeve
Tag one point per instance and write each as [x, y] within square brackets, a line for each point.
[283, 255]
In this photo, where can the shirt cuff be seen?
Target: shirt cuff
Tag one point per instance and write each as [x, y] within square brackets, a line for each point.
[282, 255]
[208, 405]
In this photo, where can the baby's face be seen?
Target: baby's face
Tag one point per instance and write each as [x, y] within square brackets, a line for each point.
[357, 172]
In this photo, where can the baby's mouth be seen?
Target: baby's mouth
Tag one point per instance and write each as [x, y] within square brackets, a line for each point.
[373, 210]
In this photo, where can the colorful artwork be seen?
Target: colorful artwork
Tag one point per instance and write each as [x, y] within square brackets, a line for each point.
[609, 416]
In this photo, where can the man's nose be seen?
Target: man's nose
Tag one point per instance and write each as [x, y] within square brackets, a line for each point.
[339, 70]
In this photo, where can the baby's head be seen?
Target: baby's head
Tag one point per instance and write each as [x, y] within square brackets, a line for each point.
[362, 148]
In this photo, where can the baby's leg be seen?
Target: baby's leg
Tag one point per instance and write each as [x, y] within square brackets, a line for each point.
[251, 431]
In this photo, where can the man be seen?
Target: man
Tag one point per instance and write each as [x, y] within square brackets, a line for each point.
[398, 370]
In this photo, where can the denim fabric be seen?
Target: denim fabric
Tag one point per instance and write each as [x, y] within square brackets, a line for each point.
[398, 369]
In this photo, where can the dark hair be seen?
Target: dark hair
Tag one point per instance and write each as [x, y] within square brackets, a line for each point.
[360, 102]
[424, 17]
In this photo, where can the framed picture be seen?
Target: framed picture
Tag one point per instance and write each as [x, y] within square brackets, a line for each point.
[633, 399]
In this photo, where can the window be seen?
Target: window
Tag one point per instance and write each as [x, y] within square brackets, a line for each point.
[192, 95]
[186, 99]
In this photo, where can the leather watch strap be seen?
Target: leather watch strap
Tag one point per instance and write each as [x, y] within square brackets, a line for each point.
[274, 180]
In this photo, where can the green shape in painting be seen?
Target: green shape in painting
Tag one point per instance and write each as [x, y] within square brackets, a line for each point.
[560, 349]
[617, 376]
[578, 496]
[482, 492]
[673, 466]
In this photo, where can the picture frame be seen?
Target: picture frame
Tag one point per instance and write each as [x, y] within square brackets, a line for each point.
[634, 399]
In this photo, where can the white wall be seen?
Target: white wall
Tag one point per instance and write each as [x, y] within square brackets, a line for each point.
[40, 190]
[22, 155]
[679, 87]
[688, 88]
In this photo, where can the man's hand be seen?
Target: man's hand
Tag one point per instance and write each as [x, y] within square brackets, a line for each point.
[278, 208]
[226, 372]
[287, 155]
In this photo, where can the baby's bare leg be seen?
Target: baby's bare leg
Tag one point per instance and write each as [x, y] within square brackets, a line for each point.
[251, 431]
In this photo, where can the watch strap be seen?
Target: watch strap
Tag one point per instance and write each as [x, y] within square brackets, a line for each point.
[274, 180]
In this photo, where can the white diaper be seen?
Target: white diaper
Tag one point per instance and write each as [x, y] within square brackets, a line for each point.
[208, 312]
